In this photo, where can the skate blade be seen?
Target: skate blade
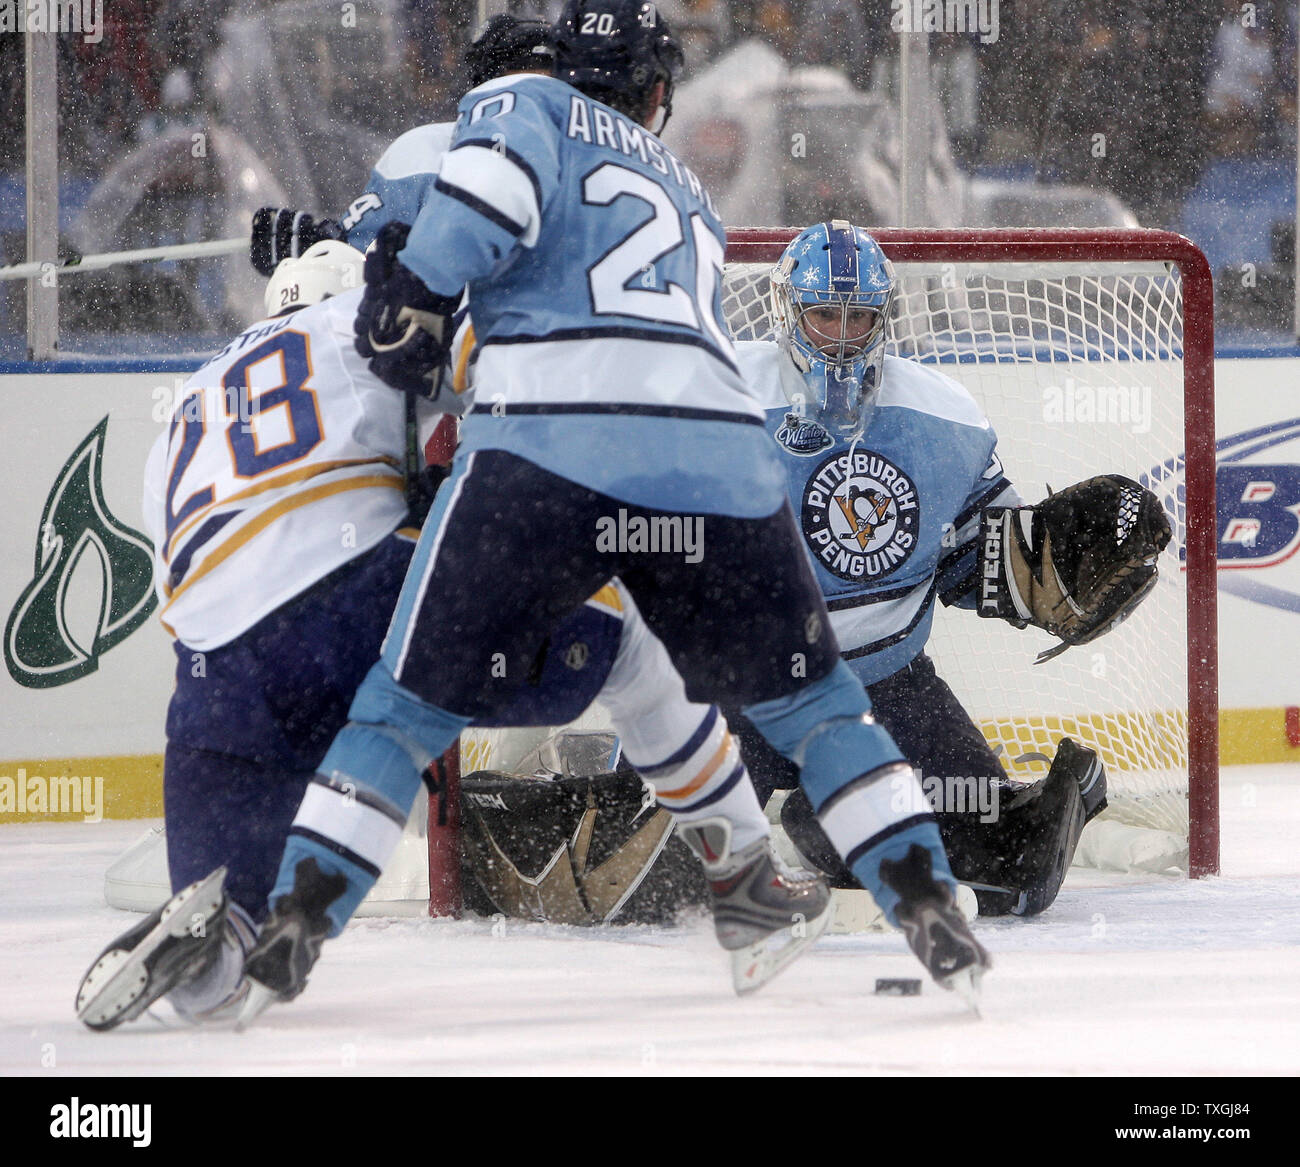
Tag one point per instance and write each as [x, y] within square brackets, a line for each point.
[255, 1004]
[117, 988]
[966, 984]
[756, 964]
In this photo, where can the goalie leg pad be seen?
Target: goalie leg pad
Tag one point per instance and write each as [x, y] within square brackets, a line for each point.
[1028, 850]
[586, 850]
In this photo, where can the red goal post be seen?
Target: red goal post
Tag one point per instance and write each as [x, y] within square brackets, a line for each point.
[1118, 316]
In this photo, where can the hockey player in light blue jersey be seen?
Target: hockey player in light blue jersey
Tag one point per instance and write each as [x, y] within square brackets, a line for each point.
[609, 407]
[404, 174]
[893, 473]
[275, 501]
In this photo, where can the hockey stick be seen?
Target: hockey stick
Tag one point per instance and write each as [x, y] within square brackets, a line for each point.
[81, 263]
[413, 462]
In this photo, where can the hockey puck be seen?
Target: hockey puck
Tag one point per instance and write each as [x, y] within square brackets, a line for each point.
[898, 987]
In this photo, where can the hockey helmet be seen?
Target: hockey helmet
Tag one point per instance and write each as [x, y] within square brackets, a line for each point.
[616, 51]
[832, 293]
[508, 44]
[325, 269]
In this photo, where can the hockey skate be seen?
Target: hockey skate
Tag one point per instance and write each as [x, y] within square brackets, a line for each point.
[171, 945]
[290, 941]
[765, 914]
[935, 929]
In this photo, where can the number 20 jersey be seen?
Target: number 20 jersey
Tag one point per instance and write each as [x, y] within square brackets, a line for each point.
[593, 262]
[281, 462]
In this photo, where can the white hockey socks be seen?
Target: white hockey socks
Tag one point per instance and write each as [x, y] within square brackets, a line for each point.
[682, 749]
[705, 778]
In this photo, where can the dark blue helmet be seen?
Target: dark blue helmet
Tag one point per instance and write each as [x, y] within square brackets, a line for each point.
[616, 50]
[507, 44]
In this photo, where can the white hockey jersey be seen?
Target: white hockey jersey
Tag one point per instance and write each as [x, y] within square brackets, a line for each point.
[892, 520]
[282, 460]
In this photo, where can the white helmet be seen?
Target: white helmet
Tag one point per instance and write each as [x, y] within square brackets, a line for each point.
[325, 269]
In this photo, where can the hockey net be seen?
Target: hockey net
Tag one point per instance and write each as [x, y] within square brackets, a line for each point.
[1090, 352]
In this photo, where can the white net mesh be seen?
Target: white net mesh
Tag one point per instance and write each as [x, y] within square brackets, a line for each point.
[1079, 368]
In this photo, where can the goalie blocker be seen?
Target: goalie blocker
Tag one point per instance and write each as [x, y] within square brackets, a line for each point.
[1077, 564]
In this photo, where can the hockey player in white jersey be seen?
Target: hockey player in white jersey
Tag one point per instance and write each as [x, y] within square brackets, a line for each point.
[276, 505]
[609, 402]
[405, 173]
[894, 474]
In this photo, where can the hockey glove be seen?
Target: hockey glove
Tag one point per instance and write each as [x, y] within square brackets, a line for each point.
[281, 233]
[402, 327]
[1078, 564]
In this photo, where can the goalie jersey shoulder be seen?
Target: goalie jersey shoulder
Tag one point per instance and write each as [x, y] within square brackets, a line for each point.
[909, 384]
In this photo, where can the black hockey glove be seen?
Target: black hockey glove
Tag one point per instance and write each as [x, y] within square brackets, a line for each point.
[281, 233]
[403, 328]
[1077, 564]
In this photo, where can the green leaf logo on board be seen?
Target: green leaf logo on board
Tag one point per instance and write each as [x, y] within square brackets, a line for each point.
[92, 583]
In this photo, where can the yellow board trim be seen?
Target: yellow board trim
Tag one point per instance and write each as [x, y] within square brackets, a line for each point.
[130, 786]
[1254, 736]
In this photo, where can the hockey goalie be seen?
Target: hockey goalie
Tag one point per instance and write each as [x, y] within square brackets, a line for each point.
[894, 474]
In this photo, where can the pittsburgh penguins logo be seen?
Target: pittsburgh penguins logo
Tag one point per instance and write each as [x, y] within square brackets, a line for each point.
[860, 519]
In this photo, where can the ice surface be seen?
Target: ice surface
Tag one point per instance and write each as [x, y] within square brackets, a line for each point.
[1163, 977]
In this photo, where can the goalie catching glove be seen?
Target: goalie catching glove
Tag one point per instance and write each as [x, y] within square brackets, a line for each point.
[403, 328]
[1077, 564]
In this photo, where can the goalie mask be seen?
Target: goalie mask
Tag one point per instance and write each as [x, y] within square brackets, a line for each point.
[323, 270]
[832, 293]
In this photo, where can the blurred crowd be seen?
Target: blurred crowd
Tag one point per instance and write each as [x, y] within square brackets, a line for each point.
[1169, 85]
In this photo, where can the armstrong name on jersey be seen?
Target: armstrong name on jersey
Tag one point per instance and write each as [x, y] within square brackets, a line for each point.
[596, 124]
[860, 515]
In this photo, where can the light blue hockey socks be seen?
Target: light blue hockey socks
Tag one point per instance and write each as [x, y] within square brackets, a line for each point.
[866, 796]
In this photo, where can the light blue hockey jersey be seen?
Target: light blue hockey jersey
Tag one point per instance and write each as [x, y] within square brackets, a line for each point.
[593, 261]
[892, 520]
[399, 183]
